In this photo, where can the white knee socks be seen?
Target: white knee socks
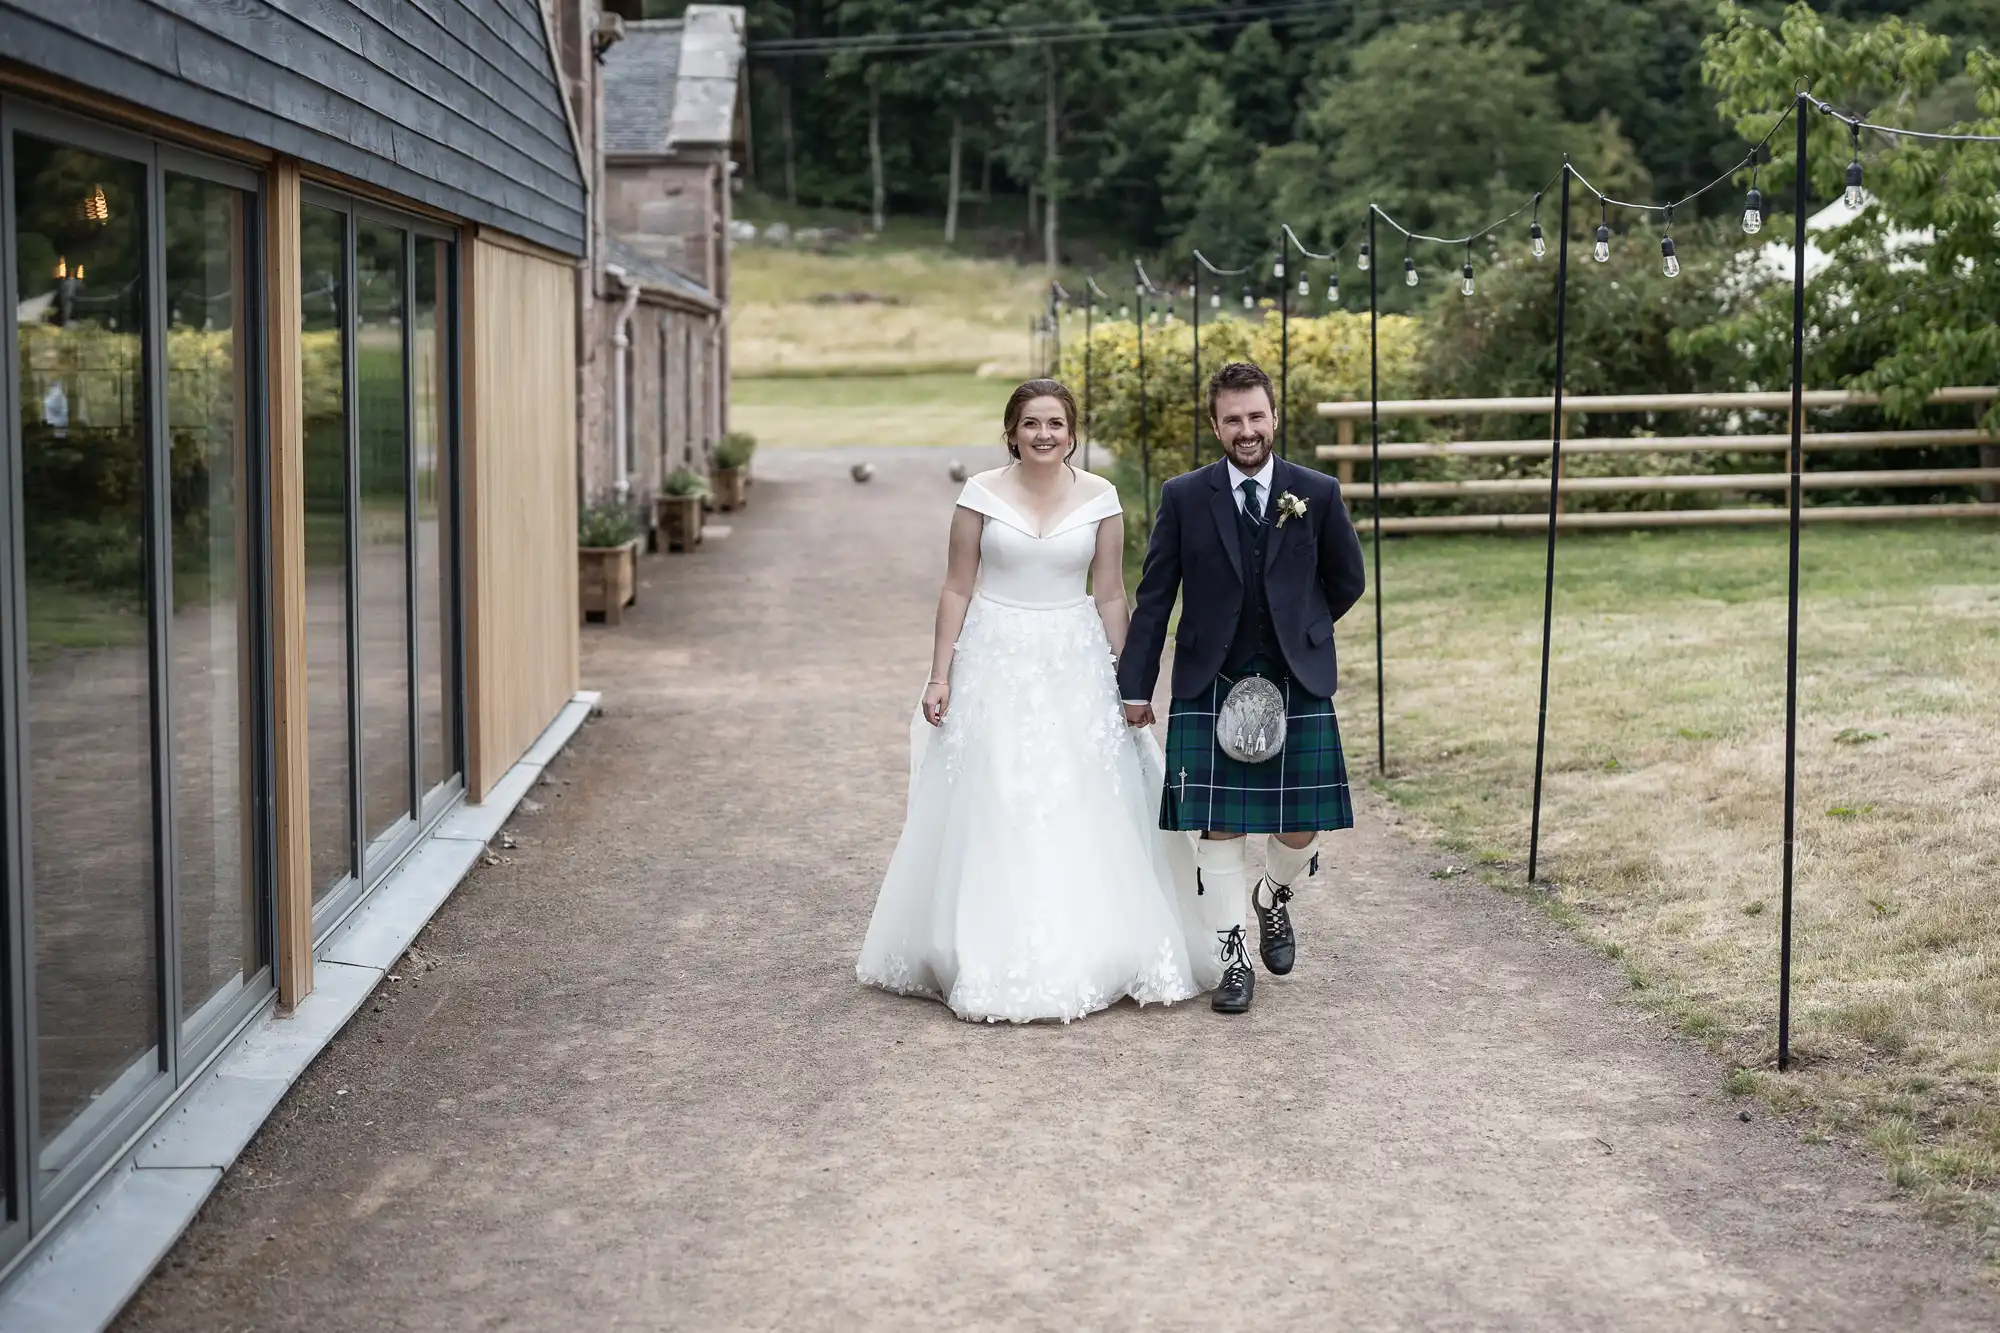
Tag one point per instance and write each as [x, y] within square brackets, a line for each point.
[1287, 865]
[1224, 895]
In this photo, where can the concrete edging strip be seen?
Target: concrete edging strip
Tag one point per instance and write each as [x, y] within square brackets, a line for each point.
[98, 1259]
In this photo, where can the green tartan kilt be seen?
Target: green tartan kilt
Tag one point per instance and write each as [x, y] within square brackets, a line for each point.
[1302, 789]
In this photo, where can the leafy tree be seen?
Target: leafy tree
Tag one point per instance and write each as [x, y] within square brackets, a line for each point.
[1901, 319]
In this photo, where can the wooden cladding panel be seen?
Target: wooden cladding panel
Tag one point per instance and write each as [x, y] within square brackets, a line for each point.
[291, 775]
[520, 437]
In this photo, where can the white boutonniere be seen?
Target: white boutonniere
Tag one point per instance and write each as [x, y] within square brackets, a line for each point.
[1290, 506]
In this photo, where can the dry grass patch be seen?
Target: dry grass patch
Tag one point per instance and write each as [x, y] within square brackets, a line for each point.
[1662, 804]
[942, 311]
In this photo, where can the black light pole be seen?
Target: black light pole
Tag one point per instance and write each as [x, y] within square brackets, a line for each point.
[1056, 294]
[1194, 381]
[1089, 346]
[1555, 483]
[1375, 485]
[1284, 348]
[1799, 205]
[1145, 448]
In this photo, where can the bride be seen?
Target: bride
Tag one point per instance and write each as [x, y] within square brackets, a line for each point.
[1032, 880]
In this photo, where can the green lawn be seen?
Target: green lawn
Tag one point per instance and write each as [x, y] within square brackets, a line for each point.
[955, 410]
[1662, 814]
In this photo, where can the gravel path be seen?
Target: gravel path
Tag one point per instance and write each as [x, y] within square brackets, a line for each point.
[628, 1080]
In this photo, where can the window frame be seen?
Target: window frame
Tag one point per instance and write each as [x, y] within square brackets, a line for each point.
[34, 1206]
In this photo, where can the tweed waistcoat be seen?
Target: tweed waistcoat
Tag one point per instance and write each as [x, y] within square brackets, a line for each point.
[1255, 635]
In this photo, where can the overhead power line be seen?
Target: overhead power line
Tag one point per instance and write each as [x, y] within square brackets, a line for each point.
[1098, 29]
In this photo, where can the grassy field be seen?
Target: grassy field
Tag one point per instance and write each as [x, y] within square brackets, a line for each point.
[942, 311]
[901, 368]
[954, 410]
[1662, 808]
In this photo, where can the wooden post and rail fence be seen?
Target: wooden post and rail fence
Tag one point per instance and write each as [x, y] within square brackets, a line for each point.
[1346, 453]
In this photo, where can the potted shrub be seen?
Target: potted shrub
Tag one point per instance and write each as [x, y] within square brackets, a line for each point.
[607, 560]
[730, 474]
[678, 508]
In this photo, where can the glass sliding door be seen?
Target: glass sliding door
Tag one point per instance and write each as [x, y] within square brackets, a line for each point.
[383, 648]
[329, 694]
[133, 683]
[83, 285]
[382, 527]
[223, 925]
[430, 402]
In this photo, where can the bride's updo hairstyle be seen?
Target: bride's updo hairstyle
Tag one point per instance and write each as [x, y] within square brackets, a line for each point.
[1017, 403]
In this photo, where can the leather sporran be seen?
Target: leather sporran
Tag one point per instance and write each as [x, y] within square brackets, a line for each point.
[1250, 726]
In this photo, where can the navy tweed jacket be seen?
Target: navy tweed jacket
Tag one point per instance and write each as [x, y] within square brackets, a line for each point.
[1313, 572]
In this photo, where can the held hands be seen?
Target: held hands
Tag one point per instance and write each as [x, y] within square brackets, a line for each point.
[937, 701]
[1138, 715]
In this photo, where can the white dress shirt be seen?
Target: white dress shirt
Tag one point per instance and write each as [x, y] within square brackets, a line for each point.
[1263, 475]
[1237, 476]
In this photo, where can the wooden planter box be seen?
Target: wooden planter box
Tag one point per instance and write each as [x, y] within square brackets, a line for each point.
[679, 520]
[608, 579]
[731, 485]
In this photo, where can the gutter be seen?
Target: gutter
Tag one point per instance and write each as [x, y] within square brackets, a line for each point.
[621, 338]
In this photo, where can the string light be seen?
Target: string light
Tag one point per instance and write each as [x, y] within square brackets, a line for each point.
[1670, 263]
[1601, 252]
[1215, 300]
[1753, 208]
[1305, 285]
[1409, 267]
[1853, 196]
[1537, 245]
[1466, 285]
[1362, 262]
[1249, 301]
[1278, 269]
[1333, 289]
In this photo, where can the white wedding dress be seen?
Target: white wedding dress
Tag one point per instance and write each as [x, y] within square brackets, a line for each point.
[1032, 880]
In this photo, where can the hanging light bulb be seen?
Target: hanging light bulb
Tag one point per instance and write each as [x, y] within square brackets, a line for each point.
[1215, 300]
[1853, 195]
[1333, 289]
[1465, 284]
[1601, 252]
[1249, 301]
[1278, 269]
[1409, 271]
[1537, 244]
[1362, 262]
[1670, 263]
[1305, 285]
[1124, 312]
[1753, 209]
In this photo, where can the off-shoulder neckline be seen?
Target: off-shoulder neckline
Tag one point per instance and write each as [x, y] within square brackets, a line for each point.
[1013, 517]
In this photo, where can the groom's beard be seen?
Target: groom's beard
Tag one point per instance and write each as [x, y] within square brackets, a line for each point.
[1240, 446]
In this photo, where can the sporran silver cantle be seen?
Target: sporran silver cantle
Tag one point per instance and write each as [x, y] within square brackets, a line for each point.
[1250, 726]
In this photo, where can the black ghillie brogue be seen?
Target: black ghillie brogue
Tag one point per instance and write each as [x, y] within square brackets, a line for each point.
[1239, 980]
[1275, 942]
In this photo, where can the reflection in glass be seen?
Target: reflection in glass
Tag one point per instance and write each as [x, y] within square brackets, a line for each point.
[430, 361]
[323, 282]
[208, 416]
[383, 571]
[81, 274]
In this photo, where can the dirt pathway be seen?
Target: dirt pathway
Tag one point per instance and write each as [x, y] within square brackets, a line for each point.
[630, 1082]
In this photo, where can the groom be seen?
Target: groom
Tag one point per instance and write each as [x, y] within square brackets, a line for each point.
[1265, 559]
